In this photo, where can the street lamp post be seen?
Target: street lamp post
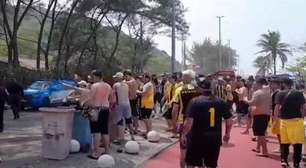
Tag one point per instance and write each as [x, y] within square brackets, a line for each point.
[173, 38]
[220, 43]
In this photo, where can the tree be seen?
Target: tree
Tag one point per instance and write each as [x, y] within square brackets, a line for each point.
[205, 55]
[112, 14]
[41, 32]
[62, 36]
[273, 47]
[142, 32]
[19, 9]
[264, 64]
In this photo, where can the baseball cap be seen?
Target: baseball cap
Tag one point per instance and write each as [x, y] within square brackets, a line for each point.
[118, 75]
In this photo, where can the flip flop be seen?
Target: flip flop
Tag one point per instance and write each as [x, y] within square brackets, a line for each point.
[263, 155]
[255, 150]
[92, 157]
[120, 150]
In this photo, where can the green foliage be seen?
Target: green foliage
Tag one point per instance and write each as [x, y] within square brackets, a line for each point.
[160, 63]
[273, 47]
[136, 52]
[264, 64]
[205, 55]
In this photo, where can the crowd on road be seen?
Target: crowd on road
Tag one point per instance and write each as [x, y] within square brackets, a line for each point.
[194, 108]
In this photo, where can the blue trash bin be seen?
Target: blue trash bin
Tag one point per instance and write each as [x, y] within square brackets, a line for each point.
[81, 131]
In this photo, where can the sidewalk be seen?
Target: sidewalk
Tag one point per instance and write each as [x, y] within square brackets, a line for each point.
[20, 146]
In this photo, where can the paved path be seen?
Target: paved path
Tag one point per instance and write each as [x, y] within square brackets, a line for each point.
[20, 146]
[237, 154]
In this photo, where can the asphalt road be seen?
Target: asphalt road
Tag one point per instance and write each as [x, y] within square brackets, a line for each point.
[20, 146]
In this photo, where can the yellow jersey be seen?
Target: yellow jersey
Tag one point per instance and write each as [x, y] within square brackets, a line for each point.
[147, 100]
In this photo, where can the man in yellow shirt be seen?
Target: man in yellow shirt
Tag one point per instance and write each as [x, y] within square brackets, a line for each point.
[169, 91]
[182, 97]
[147, 102]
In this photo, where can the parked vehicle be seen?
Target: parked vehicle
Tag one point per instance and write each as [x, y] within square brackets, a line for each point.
[225, 73]
[47, 93]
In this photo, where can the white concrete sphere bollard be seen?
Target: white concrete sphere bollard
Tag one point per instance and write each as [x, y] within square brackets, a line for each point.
[74, 146]
[153, 136]
[132, 147]
[106, 161]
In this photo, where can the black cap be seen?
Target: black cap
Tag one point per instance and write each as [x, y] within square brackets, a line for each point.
[204, 84]
[127, 72]
[97, 73]
[261, 81]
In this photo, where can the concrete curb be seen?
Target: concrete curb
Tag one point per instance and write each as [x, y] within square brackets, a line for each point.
[159, 150]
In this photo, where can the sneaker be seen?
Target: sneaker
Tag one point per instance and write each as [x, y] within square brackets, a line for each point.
[276, 150]
[284, 164]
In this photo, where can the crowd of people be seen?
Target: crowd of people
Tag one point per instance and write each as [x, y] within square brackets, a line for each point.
[194, 108]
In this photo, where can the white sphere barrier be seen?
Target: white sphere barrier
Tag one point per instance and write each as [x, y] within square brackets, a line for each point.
[132, 147]
[153, 136]
[106, 161]
[74, 146]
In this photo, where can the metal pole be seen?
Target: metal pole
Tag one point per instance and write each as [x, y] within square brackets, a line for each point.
[230, 55]
[141, 45]
[173, 38]
[183, 52]
[220, 43]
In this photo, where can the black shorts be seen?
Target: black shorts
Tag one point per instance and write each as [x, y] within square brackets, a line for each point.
[260, 124]
[157, 97]
[134, 109]
[168, 114]
[229, 104]
[145, 113]
[203, 150]
[242, 108]
[101, 126]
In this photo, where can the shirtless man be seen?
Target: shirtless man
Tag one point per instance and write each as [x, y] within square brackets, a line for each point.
[122, 107]
[133, 87]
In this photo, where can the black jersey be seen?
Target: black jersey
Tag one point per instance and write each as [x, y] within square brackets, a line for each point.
[207, 116]
[186, 96]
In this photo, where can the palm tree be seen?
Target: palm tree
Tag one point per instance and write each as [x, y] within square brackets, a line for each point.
[273, 47]
[264, 64]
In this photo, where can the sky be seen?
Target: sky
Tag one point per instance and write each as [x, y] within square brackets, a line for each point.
[244, 22]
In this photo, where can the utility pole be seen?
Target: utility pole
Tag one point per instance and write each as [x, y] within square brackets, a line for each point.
[220, 43]
[230, 55]
[173, 37]
[183, 52]
[141, 47]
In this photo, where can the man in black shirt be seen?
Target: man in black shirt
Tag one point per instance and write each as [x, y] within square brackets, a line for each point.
[275, 85]
[184, 94]
[15, 95]
[3, 98]
[203, 128]
[290, 110]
